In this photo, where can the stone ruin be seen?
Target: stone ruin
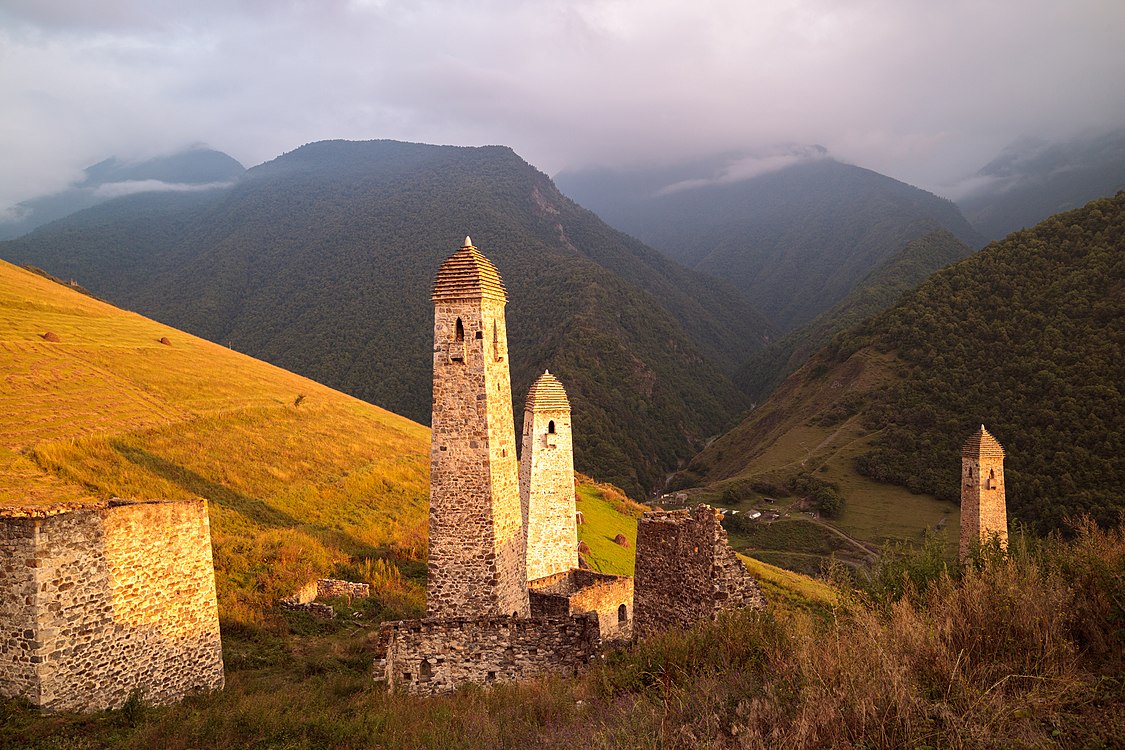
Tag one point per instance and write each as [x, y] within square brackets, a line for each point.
[686, 571]
[305, 600]
[99, 601]
[508, 595]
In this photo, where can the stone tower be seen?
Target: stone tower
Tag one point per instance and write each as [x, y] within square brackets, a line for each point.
[983, 510]
[476, 554]
[547, 480]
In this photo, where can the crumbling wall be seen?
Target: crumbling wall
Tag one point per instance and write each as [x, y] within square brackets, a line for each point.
[686, 571]
[327, 588]
[18, 582]
[124, 599]
[577, 591]
[433, 656]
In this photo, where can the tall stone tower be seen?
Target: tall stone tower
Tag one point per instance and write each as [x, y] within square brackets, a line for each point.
[476, 556]
[984, 513]
[547, 480]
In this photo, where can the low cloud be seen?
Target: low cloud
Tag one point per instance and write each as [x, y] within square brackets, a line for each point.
[131, 187]
[749, 167]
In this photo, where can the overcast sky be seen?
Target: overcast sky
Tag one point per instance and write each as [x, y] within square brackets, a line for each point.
[926, 91]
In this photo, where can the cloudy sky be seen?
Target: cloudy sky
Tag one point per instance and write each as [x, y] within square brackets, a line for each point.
[923, 90]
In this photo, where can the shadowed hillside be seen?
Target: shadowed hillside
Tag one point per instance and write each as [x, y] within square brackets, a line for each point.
[321, 261]
[795, 240]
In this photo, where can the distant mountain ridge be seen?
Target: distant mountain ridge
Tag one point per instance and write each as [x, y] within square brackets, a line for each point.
[1034, 178]
[322, 260]
[192, 169]
[795, 240]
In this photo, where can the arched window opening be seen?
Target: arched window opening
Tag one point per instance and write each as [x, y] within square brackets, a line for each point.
[991, 485]
[425, 671]
[622, 614]
[551, 427]
[459, 333]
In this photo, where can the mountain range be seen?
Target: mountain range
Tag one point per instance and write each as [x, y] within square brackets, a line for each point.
[321, 261]
[795, 239]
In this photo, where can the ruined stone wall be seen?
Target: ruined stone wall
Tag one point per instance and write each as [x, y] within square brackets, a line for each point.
[476, 543]
[577, 591]
[686, 571]
[429, 657]
[124, 600]
[327, 588]
[547, 491]
[19, 655]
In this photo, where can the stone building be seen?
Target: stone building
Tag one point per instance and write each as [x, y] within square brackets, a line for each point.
[576, 592]
[433, 656]
[686, 571]
[99, 601]
[547, 480]
[477, 560]
[984, 513]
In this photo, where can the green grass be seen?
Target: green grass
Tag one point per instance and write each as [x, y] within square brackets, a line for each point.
[608, 513]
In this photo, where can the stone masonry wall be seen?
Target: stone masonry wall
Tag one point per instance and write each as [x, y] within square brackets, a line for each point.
[429, 657]
[124, 600]
[476, 545]
[547, 492]
[576, 591]
[686, 571]
[327, 588]
[18, 637]
[984, 511]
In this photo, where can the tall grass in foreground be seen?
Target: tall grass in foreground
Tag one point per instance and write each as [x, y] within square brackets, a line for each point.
[1026, 650]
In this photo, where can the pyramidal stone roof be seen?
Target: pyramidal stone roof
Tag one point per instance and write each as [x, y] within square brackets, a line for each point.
[982, 444]
[468, 275]
[547, 393]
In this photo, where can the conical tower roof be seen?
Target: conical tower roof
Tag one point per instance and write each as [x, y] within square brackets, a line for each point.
[468, 275]
[982, 444]
[547, 393]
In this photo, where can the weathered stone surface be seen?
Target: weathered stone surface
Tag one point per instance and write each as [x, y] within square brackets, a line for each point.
[579, 591]
[433, 656]
[98, 602]
[477, 559]
[984, 512]
[686, 571]
[547, 480]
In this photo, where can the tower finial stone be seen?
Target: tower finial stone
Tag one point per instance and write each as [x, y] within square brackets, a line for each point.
[468, 242]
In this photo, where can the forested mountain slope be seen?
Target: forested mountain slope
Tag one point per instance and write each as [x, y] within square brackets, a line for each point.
[322, 261]
[1026, 337]
[1032, 179]
[796, 240]
[768, 367]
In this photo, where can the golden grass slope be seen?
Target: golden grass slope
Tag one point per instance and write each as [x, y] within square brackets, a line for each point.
[101, 408]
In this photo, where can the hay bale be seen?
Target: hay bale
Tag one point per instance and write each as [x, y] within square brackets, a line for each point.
[579, 518]
[50, 336]
[621, 540]
[583, 548]
[164, 340]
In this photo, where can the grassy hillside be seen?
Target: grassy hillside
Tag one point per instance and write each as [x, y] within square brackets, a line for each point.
[322, 261]
[300, 478]
[1024, 336]
[795, 241]
[963, 658]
